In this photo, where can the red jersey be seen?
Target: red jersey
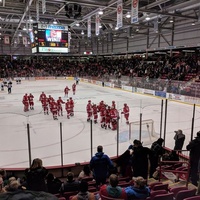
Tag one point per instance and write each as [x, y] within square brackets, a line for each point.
[42, 96]
[68, 106]
[89, 107]
[71, 102]
[113, 113]
[74, 87]
[126, 110]
[30, 98]
[60, 102]
[25, 99]
[45, 102]
[66, 90]
[54, 107]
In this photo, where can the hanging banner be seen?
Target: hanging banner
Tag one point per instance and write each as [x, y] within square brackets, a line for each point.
[43, 6]
[24, 40]
[69, 40]
[6, 39]
[89, 27]
[119, 14]
[97, 24]
[37, 10]
[134, 11]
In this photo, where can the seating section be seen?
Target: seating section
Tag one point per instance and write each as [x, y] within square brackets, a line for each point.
[181, 195]
[168, 196]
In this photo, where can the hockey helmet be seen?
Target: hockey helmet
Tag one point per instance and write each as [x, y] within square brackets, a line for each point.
[125, 104]
[89, 101]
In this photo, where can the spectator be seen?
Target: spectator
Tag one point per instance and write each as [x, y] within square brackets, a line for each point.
[70, 185]
[53, 184]
[100, 164]
[156, 152]
[179, 140]
[198, 189]
[86, 172]
[2, 190]
[194, 148]
[35, 176]
[139, 190]
[172, 156]
[140, 159]
[113, 190]
[83, 192]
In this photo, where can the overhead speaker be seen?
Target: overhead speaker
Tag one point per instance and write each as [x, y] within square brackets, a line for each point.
[73, 10]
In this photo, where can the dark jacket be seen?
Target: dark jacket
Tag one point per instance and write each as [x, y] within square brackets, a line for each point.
[140, 161]
[36, 179]
[194, 148]
[100, 164]
[137, 193]
[70, 186]
[179, 141]
[27, 195]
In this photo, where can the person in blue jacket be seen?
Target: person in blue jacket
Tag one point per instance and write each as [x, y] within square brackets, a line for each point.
[139, 190]
[100, 164]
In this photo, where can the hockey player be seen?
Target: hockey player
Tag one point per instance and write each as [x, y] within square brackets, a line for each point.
[95, 113]
[45, 105]
[31, 102]
[9, 87]
[89, 110]
[54, 110]
[100, 106]
[2, 86]
[68, 108]
[113, 104]
[50, 102]
[71, 101]
[126, 113]
[25, 102]
[66, 91]
[107, 118]
[74, 88]
[114, 116]
[42, 96]
[103, 116]
[59, 103]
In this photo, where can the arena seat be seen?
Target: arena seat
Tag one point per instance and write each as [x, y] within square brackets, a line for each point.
[155, 193]
[168, 196]
[177, 189]
[161, 187]
[185, 194]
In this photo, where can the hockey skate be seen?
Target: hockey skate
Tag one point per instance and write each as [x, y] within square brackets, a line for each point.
[127, 122]
[88, 120]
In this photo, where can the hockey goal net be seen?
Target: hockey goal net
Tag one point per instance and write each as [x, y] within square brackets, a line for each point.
[147, 131]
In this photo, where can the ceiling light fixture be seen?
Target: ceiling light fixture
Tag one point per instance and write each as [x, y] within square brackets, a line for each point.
[193, 23]
[82, 32]
[77, 24]
[116, 28]
[128, 15]
[55, 22]
[24, 29]
[100, 12]
[147, 18]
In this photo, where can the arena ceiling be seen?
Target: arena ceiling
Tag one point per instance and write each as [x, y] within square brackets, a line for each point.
[16, 15]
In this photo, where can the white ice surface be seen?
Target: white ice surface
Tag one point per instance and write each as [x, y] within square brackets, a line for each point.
[45, 132]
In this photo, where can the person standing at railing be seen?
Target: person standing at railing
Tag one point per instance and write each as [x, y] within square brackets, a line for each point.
[194, 148]
[179, 140]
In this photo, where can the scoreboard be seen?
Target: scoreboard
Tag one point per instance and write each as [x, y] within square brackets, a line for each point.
[50, 38]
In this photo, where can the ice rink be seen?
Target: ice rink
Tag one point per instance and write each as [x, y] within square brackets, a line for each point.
[45, 132]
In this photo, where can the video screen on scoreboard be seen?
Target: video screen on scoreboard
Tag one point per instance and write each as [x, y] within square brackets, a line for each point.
[53, 35]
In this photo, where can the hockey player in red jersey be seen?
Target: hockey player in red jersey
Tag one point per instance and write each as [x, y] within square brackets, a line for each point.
[59, 103]
[42, 96]
[89, 110]
[66, 91]
[95, 113]
[126, 112]
[45, 105]
[31, 102]
[113, 104]
[68, 108]
[74, 88]
[108, 118]
[103, 115]
[25, 102]
[54, 110]
[50, 102]
[71, 101]
[114, 116]
[100, 106]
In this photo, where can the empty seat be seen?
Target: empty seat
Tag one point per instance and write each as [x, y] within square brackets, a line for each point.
[161, 187]
[151, 185]
[109, 198]
[177, 189]
[155, 193]
[168, 196]
[193, 198]
[185, 194]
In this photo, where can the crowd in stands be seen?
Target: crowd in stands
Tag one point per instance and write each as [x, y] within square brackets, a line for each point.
[161, 73]
[101, 178]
